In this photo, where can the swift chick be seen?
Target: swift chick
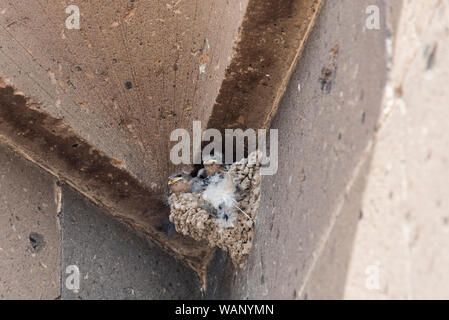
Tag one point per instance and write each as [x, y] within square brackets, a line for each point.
[213, 164]
[179, 183]
[200, 182]
[184, 183]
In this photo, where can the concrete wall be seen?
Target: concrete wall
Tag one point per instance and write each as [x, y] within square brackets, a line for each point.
[326, 123]
[30, 247]
[357, 209]
[404, 232]
[97, 105]
[46, 227]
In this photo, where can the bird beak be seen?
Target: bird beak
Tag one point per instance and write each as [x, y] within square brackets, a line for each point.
[174, 180]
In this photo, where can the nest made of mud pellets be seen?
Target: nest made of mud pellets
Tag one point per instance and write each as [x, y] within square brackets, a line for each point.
[195, 214]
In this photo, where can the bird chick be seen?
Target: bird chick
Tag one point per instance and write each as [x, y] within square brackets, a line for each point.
[202, 174]
[184, 183]
[213, 164]
[200, 182]
[197, 185]
[179, 183]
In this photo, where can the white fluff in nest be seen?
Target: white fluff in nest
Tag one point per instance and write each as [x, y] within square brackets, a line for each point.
[220, 191]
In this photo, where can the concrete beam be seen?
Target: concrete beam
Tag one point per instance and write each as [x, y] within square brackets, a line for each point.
[96, 106]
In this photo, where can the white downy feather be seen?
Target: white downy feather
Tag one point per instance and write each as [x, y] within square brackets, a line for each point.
[220, 191]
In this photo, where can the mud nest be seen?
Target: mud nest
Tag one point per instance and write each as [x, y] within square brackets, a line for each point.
[234, 231]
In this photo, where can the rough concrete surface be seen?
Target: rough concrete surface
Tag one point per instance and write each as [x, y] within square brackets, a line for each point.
[132, 73]
[404, 231]
[37, 245]
[326, 121]
[29, 234]
[357, 210]
[113, 261]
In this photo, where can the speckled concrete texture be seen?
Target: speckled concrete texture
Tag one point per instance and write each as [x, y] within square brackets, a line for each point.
[401, 246]
[37, 244]
[132, 73]
[29, 233]
[326, 122]
[357, 210]
[114, 262]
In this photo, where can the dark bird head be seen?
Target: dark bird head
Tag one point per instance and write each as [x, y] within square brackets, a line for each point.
[179, 183]
[213, 164]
